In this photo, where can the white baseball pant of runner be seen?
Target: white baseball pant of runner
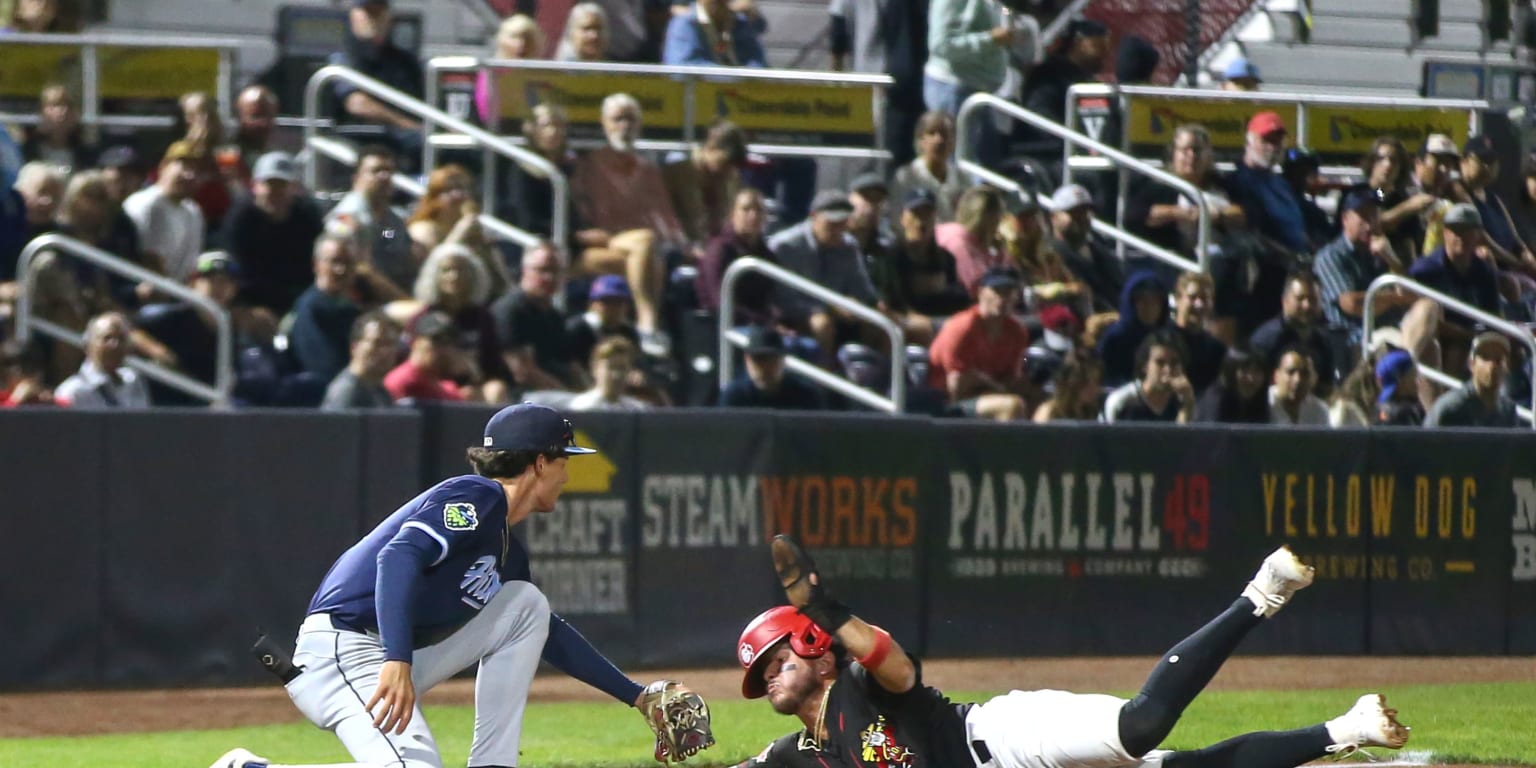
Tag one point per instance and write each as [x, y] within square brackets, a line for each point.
[341, 672]
[1053, 729]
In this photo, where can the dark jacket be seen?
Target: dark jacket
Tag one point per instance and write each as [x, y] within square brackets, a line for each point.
[1117, 347]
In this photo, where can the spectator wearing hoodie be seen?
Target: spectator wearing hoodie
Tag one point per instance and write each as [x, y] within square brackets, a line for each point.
[1143, 309]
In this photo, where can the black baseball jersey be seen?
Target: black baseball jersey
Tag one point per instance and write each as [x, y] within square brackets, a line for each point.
[870, 727]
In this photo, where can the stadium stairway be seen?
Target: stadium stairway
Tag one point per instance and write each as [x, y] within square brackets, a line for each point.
[1357, 46]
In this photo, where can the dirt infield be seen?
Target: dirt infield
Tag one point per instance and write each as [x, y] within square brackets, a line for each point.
[83, 713]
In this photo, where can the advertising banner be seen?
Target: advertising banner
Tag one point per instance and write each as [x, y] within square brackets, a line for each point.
[1309, 489]
[771, 112]
[161, 74]
[791, 113]
[1153, 120]
[1440, 541]
[1521, 605]
[581, 95]
[704, 523]
[1055, 539]
[1348, 131]
[1339, 134]
[854, 493]
[52, 547]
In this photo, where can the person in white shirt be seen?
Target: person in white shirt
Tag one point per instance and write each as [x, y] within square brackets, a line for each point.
[1291, 401]
[169, 223]
[612, 362]
[103, 381]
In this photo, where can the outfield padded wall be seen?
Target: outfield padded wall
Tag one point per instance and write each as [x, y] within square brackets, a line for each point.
[144, 549]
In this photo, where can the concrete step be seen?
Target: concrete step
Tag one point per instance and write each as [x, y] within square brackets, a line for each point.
[792, 25]
[1363, 32]
[1370, 9]
[1327, 67]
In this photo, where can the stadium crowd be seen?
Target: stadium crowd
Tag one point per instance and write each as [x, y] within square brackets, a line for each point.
[1013, 306]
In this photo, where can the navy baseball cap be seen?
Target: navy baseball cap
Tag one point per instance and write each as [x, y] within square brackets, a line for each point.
[919, 198]
[530, 427]
[609, 287]
[1358, 198]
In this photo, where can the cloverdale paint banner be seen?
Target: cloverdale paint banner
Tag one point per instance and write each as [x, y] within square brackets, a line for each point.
[1337, 133]
[828, 114]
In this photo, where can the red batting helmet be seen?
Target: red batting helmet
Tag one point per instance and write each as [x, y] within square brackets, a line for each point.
[771, 626]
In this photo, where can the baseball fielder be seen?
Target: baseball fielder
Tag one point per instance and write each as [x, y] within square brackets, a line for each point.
[442, 584]
[875, 710]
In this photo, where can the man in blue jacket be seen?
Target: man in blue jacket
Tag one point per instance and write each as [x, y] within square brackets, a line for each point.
[711, 34]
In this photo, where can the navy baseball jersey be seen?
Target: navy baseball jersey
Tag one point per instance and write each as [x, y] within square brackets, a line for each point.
[427, 569]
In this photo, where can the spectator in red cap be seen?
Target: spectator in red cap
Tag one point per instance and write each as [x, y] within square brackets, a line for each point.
[1267, 202]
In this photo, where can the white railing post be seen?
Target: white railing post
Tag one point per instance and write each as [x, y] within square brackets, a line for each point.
[973, 109]
[559, 187]
[731, 338]
[224, 375]
[1518, 333]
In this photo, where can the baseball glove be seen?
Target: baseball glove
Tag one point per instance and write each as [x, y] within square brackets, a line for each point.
[679, 718]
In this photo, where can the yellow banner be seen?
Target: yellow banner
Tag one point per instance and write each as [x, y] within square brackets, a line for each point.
[788, 107]
[1343, 130]
[1346, 130]
[156, 73]
[519, 90]
[1153, 120]
[25, 69]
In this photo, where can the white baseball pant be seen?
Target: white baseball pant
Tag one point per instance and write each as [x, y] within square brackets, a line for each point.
[1053, 729]
[341, 672]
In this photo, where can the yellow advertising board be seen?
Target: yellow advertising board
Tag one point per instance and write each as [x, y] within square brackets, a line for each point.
[764, 107]
[25, 69]
[1350, 130]
[582, 94]
[125, 72]
[156, 73]
[1154, 119]
[1337, 131]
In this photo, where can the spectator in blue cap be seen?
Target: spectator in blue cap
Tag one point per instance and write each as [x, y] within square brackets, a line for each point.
[1240, 75]
[609, 308]
[1398, 404]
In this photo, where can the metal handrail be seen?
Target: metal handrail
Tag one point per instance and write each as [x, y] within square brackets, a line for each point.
[559, 187]
[729, 336]
[970, 110]
[346, 155]
[224, 372]
[1301, 101]
[1491, 321]
[90, 69]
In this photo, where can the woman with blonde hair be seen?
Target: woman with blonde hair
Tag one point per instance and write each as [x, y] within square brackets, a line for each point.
[972, 236]
[452, 281]
[518, 37]
[1025, 238]
[449, 215]
[586, 34]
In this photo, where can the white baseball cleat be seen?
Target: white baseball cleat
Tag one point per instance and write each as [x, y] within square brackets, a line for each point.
[1370, 723]
[1278, 578]
[240, 758]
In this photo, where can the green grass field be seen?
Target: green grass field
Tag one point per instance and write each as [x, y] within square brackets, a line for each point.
[1485, 723]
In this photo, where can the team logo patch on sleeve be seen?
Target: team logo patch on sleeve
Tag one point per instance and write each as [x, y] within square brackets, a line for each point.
[460, 516]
